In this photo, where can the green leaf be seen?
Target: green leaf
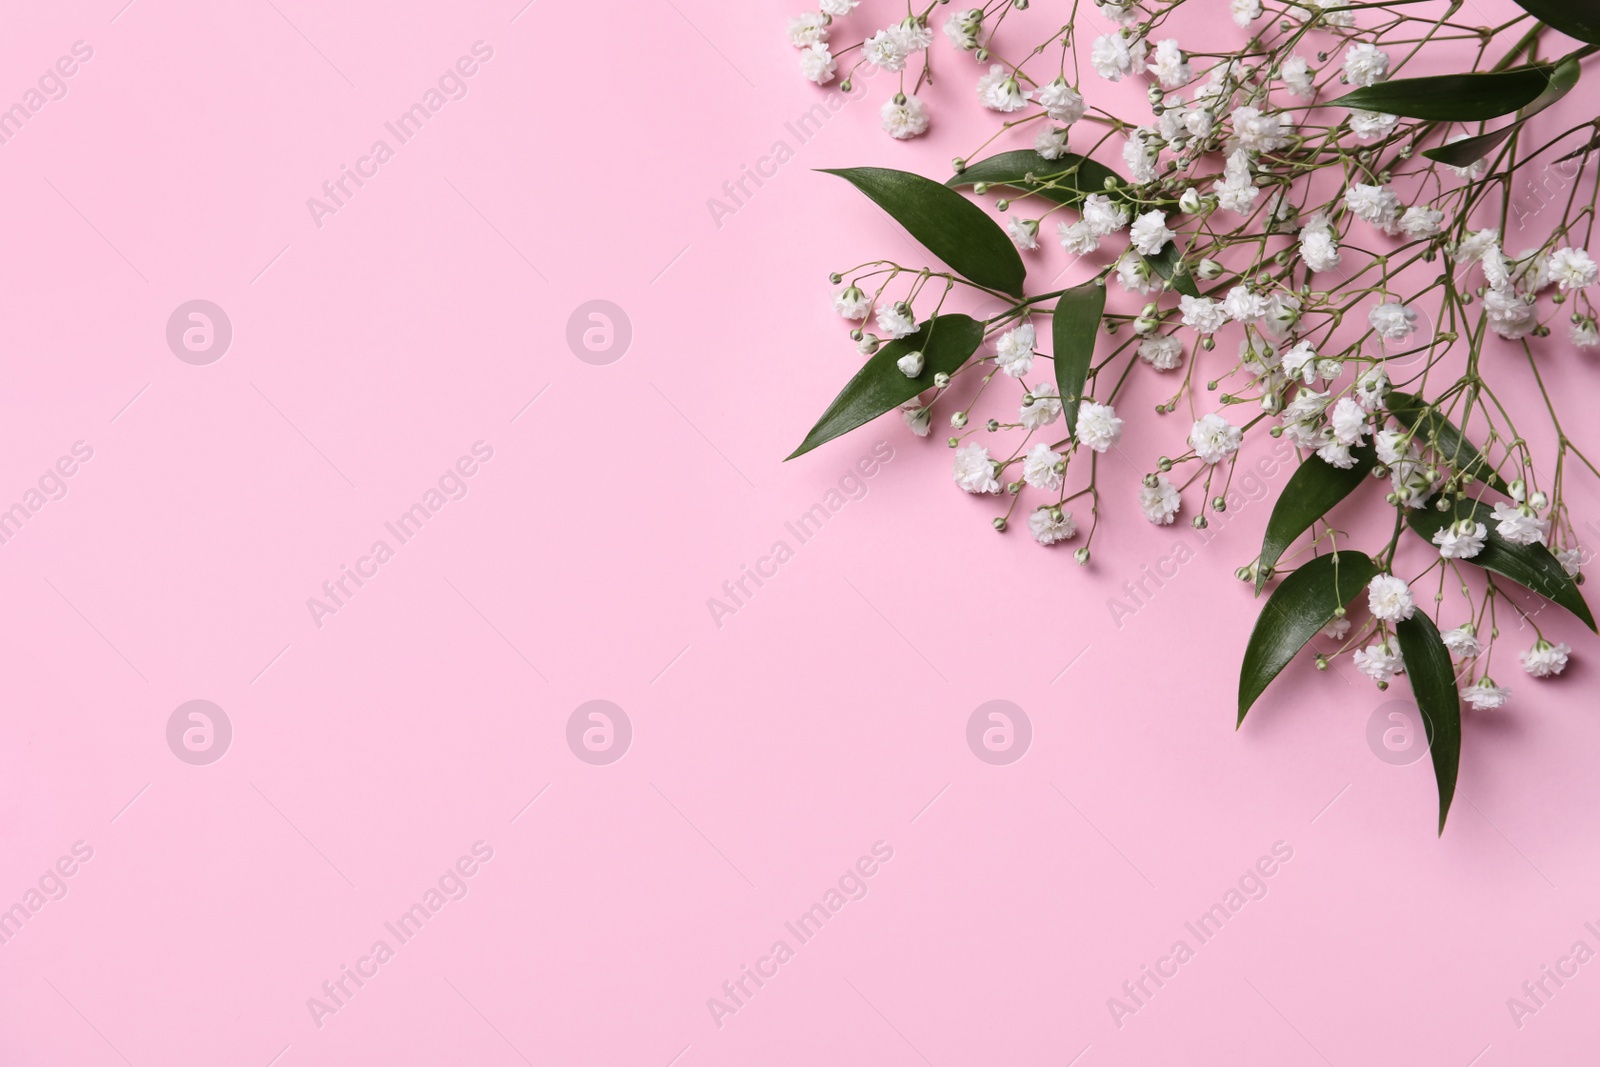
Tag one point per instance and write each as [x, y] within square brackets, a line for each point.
[1466, 152]
[1073, 332]
[948, 224]
[1167, 263]
[1531, 566]
[1433, 429]
[1433, 684]
[1067, 180]
[1297, 609]
[1313, 489]
[1575, 18]
[1453, 97]
[945, 341]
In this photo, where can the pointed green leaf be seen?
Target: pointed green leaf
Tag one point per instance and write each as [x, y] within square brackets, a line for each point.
[1297, 609]
[1074, 329]
[1433, 684]
[1439, 433]
[1313, 489]
[1575, 18]
[1168, 263]
[948, 224]
[1468, 151]
[945, 341]
[1067, 180]
[1531, 566]
[1453, 97]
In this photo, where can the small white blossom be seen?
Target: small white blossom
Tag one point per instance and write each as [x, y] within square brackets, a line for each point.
[1062, 102]
[1039, 468]
[887, 49]
[1371, 387]
[1169, 65]
[1255, 132]
[904, 121]
[1462, 539]
[1098, 425]
[1160, 502]
[1134, 274]
[1202, 313]
[1380, 662]
[1392, 322]
[962, 28]
[1348, 421]
[1518, 524]
[1214, 438]
[1318, 245]
[999, 90]
[838, 8]
[1510, 314]
[1014, 350]
[1376, 204]
[1420, 221]
[1573, 269]
[1244, 11]
[1162, 353]
[1044, 408]
[1365, 64]
[1389, 598]
[1242, 305]
[1544, 660]
[974, 471]
[1051, 142]
[1079, 237]
[918, 418]
[1571, 560]
[817, 64]
[852, 303]
[1103, 214]
[1370, 125]
[807, 28]
[910, 364]
[1149, 233]
[1114, 56]
[1047, 529]
[896, 321]
[1336, 629]
[1463, 641]
[1024, 233]
[1297, 78]
[1485, 696]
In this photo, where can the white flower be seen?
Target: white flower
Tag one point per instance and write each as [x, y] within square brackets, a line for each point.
[1365, 64]
[1335, 454]
[1389, 598]
[1202, 313]
[1256, 132]
[998, 90]
[1510, 314]
[1114, 57]
[1336, 629]
[1463, 641]
[1245, 11]
[1062, 102]
[1495, 270]
[1532, 272]
[974, 471]
[1134, 274]
[1169, 65]
[1571, 560]
[1518, 524]
[1349, 421]
[1047, 529]
[1585, 334]
[1462, 539]
[807, 28]
[918, 418]
[1410, 482]
[1318, 246]
[1214, 438]
[962, 28]
[1297, 78]
[895, 320]
[1573, 269]
[1079, 237]
[1392, 322]
[1040, 406]
[1162, 353]
[1024, 233]
[1472, 247]
[1371, 387]
[1120, 11]
[887, 49]
[1014, 350]
[903, 121]
[1244, 306]
[1301, 415]
[1098, 425]
[1370, 125]
[1104, 215]
[838, 8]
[1376, 204]
[1419, 221]
[1473, 170]
[852, 303]
[1039, 468]
[1140, 153]
[1149, 233]
[1388, 442]
[1283, 311]
[1160, 502]
[1545, 659]
[1379, 662]
[1485, 696]
[817, 64]
[1051, 142]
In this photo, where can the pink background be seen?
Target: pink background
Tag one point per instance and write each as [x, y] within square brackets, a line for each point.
[769, 753]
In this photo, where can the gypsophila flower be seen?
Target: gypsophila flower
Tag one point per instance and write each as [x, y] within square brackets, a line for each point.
[1389, 598]
[888, 49]
[1572, 269]
[1545, 660]
[1371, 125]
[1014, 350]
[1348, 421]
[1462, 539]
[1134, 274]
[1024, 233]
[807, 28]
[904, 120]
[1376, 204]
[910, 364]
[1114, 56]
[1169, 66]
[1296, 75]
[962, 28]
[1062, 102]
[1051, 142]
[1141, 152]
[1420, 221]
[851, 303]
[1485, 696]
[918, 418]
[1518, 524]
[1371, 387]
[896, 321]
[1098, 425]
[1244, 306]
[999, 90]
[1365, 64]
[1079, 237]
[1380, 662]
[1214, 438]
[1160, 502]
[1149, 233]
[838, 8]
[1041, 406]
[1463, 641]
[1162, 353]
[1300, 361]
[1392, 322]
[1585, 334]
[1039, 467]
[1571, 560]
[1319, 248]
[1202, 313]
[1336, 628]
[1244, 11]
[974, 471]
[817, 64]
[1510, 314]
[1050, 524]
[1104, 215]
[1256, 132]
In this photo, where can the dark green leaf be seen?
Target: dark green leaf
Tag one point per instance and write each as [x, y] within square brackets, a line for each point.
[1297, 609]
[948, 224]
[1073, 332]
[1313, 489]
[1468, 151]
[1067, 180]
[1168, 263]
[1438, 432]
[1433, 684]
[945, 341]
[1453, 97]
[1575, 18]
[1532, 566]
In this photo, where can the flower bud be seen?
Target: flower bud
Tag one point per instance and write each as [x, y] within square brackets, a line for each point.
[940, 380]
[1209, 269]
[959, 419]
[1000, 523]
[1082, 556]
[910, 364]
[1189, 201]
